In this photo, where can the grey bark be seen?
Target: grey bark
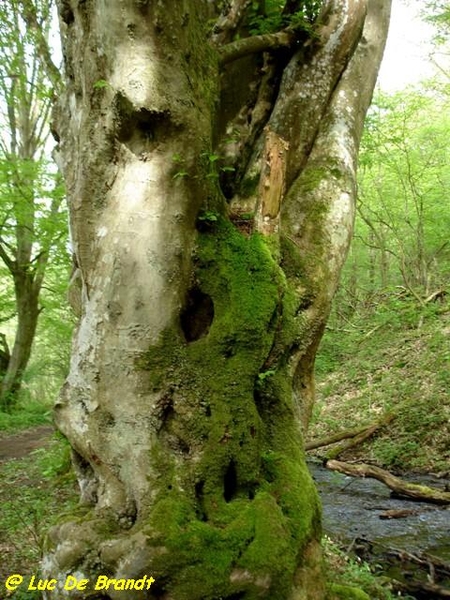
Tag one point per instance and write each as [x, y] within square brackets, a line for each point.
[192, 368]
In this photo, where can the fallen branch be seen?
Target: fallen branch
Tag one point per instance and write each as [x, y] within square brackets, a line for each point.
[357, 435]
[333, 439]
[398, 513]
[420, 573]
[414, 587]
[399, 486]
[360, 438]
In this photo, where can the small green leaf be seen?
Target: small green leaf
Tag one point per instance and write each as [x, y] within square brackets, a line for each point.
[266, 374]
[180, 174]
[208, 215]
[100, 84]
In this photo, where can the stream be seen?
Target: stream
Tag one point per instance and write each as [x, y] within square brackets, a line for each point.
[352, 509]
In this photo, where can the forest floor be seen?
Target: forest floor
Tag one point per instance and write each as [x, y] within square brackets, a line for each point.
[20, 444]
[36, 486]
[391, 358]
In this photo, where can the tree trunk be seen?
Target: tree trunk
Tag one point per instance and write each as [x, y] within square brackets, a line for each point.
[211, 192]
[27, 304]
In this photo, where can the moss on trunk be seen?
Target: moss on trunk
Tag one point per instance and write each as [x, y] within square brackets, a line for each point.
[231, 486]
[231, 507]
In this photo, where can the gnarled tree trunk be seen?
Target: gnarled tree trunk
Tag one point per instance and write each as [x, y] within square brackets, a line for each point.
[211, 187]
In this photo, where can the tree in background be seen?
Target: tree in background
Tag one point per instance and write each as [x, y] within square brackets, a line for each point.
[209, 151]
[437, 12]
[32, 221]
[403, 219]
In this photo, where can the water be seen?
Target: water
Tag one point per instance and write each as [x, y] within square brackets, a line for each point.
[352, 508]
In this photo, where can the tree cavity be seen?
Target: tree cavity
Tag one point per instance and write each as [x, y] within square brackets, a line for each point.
[197, 315]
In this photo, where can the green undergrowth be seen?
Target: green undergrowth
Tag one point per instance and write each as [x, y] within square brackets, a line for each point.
[26, 414]
[33, 493]
[394, 356]
[350, 578]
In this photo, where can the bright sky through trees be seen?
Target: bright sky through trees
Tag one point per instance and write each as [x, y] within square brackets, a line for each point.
[406, 60]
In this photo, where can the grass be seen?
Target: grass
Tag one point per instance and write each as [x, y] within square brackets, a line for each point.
[394, 357]
[31, 415]
[34, 491]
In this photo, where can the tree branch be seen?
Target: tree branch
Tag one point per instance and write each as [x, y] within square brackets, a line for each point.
[361, 437]
[399, 486]
[30, 17]
[255, 44]
[333, 439]
[9, 262]
[228, 23]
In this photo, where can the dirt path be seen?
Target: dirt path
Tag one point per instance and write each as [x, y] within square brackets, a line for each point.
[20, 444]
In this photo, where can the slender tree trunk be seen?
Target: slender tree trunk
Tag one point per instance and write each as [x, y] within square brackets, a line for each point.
[27, 305]
[27, 229]
[212, 199]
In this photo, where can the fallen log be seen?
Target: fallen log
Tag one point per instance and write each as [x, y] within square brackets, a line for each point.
[398, 513]
[426, 590]
[336, 437]
[359, 439]
[397, 485]
[355, 436]
[419, 574]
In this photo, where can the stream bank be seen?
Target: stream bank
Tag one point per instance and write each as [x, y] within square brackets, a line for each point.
[353, 511]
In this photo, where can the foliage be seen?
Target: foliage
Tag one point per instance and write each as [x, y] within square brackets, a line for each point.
[27, 413]
[437, 12]
[348, 571]
[271, 16]
[401, 235]
[391, 354]
[33, 219]
[385, 346]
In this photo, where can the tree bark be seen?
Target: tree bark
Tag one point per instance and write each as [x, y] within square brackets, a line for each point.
[191, 373]
[27, 304]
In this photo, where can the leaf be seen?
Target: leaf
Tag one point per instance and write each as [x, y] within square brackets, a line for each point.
[180, 174]
[100, 84]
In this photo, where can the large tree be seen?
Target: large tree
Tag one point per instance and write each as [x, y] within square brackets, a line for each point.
[209, 151]
[32, 220]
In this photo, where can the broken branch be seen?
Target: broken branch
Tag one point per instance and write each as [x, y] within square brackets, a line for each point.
[255, 44]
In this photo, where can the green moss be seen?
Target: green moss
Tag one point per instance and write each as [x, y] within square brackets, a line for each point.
[345, 592]
[235, 520]
[249, 186]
